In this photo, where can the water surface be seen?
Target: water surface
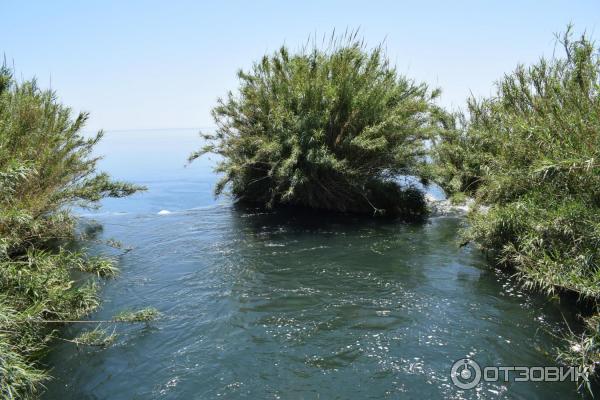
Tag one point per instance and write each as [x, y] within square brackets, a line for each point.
[292, 305]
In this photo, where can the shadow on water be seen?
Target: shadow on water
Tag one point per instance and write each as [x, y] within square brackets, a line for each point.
[385, 304]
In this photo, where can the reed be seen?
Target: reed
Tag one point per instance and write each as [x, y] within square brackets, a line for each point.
[327, 127]
[532, 154]
[46, 167]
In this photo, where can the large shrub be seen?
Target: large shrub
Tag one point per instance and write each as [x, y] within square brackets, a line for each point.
[45, 167]
[324, 128]
[532, 154]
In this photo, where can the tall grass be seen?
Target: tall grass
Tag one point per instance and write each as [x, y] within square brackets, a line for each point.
[532, 153]
[327, 127]
[46, 166]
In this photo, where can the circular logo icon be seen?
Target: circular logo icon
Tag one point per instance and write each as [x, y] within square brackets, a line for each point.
[465, 373]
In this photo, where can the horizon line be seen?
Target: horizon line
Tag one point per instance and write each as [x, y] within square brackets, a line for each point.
[147, 129]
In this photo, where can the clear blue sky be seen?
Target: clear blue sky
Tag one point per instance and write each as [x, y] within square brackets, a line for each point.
[162, 64]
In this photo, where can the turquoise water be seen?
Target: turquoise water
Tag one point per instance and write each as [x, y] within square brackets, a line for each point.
[284, 305]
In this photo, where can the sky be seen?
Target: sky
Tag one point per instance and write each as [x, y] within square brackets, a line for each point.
[163, 64]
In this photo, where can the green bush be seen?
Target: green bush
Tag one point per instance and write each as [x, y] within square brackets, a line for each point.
[324, 128]
[532, 154]
[45, 166]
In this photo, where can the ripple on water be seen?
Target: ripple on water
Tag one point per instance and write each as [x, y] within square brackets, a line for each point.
[268, 305]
